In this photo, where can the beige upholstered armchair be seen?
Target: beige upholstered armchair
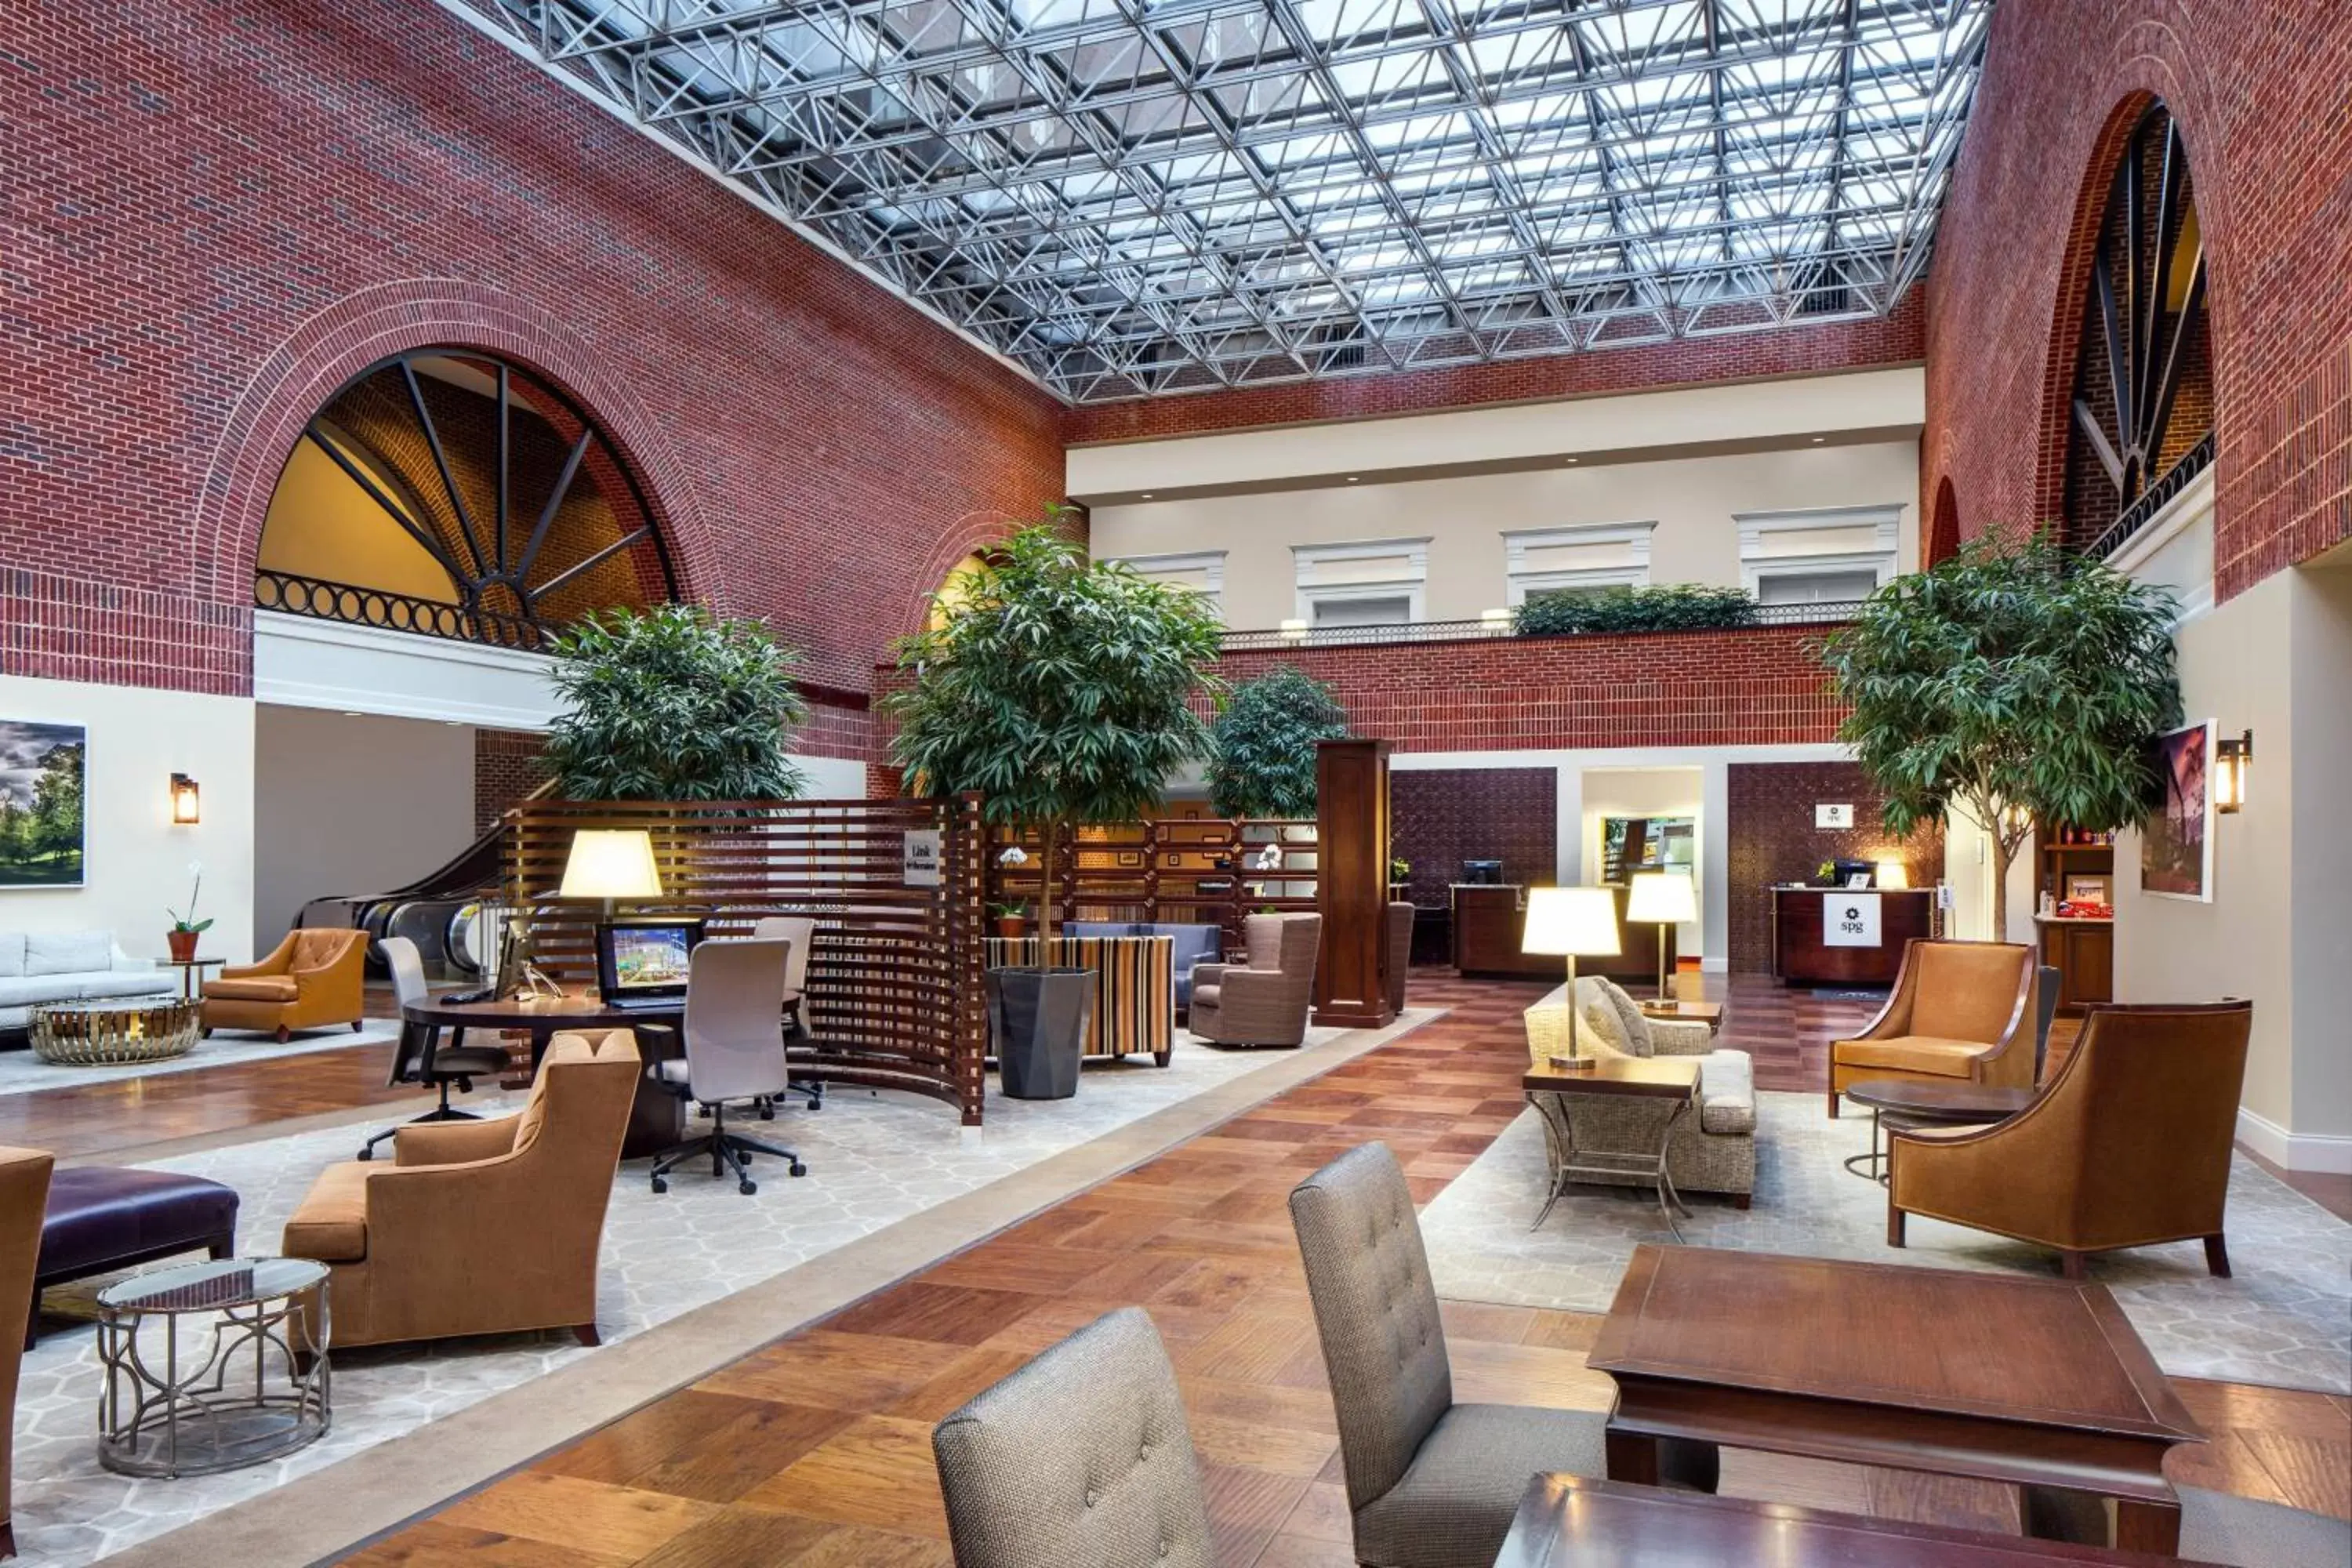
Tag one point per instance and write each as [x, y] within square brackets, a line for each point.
[313, 978]
[2129, 1146]
[479, 1227]
[1264, 1002]
[1959, 1010]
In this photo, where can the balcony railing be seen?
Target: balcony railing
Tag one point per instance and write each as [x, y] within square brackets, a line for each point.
[357, 607]
[1289, 638]
[2153, 499]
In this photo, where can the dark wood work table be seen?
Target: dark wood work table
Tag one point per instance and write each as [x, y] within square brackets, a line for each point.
[2034, 1383]
[1570, 1521]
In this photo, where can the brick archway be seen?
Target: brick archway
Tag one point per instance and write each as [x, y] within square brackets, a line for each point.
[1944, 528]
[967, 535]
[305, 370]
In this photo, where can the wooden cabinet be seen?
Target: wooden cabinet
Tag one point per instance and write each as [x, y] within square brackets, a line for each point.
[2083, 953]
[1802, 956]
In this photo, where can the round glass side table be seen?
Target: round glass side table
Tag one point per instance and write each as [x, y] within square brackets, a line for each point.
[212, 1366]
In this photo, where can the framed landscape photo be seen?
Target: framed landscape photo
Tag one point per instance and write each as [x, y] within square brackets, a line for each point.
[41, 799]
[2176, 848]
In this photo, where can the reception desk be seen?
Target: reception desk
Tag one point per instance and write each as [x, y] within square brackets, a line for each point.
[1861, 944]
[1488, 920]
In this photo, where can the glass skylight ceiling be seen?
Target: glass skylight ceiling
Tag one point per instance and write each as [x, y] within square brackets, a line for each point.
[1133, 197]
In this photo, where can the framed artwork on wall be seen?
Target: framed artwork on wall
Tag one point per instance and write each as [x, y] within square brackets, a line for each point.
[42, 794]
[2176, 848]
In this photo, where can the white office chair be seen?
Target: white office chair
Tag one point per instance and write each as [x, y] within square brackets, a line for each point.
[734, 1052]
[801, 932]
[420, 1057]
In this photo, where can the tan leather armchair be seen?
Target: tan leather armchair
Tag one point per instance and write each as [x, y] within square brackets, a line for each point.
[1264, 1002]
[1959, 1010]
[24, 1199]
[2129, 1145]
[312, 979]
[479, 1227]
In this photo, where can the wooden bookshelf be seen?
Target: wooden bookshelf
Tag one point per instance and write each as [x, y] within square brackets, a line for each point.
[2083, 950]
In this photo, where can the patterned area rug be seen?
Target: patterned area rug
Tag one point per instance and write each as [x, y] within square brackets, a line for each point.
[22, 1072]
[2286, 1319]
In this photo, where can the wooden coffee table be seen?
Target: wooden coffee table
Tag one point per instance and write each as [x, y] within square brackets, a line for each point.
[1668, 1083]
[1707, 1013]
[1916, 1102]
[2036, 1382]
[1572, 1522]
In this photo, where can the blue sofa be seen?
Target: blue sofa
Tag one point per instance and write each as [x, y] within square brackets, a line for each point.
[1194, 944]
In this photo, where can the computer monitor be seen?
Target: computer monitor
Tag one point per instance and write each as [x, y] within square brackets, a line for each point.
[645, 958]
[1484, 873]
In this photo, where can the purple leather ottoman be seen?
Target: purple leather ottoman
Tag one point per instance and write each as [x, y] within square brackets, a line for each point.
[103, 1217]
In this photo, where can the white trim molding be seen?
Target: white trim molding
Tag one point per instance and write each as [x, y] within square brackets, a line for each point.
[2174, 548]
[1630, 540]
[1765, 551]
[1310, 562]
[2325, 1153]
[1173, 569]
[308, 663]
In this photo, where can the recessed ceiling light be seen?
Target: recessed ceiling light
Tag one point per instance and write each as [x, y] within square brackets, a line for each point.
[1574, 459]
[1819, 439]
[1147, 495]
[1354, 479]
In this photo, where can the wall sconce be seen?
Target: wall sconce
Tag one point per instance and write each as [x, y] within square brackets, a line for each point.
[2230, 760]
[1495, 623]
[1294, 631]
[187, 802]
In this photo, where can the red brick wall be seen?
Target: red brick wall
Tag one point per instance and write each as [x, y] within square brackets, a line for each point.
[2257, 88]
[508, 765]
[1773, 839]
[1798, 350]
[1759, 687]
[219, 210]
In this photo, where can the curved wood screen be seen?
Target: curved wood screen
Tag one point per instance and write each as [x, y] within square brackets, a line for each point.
[894, 991]
[1209, 870]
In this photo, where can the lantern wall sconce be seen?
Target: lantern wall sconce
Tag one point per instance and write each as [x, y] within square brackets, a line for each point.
[2232, 761]
[187, 802]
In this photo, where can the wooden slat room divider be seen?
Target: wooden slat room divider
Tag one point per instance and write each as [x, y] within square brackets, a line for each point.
[1182, 871]
[894, 992]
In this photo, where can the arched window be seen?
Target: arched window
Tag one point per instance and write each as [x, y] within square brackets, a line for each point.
[448, 491]
[1944, 531]
[2142, 418]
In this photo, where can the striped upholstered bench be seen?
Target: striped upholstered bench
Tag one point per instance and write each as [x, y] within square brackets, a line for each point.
[1135, 987]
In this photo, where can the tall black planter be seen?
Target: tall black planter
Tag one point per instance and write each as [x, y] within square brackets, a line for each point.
[1037, 1025]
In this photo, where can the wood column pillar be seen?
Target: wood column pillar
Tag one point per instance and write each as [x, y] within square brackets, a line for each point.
[1352, 810]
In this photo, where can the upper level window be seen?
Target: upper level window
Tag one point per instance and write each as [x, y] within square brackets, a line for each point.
[1375, 582]
[1200, 571]
[1832, 555]
[1583, 558]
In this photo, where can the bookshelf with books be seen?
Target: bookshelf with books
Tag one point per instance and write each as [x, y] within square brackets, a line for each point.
[2074, 909]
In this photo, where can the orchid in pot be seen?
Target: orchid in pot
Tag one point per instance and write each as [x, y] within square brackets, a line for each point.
[186, 929]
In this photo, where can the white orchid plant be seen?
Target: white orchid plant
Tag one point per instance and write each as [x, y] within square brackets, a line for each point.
[189, 921]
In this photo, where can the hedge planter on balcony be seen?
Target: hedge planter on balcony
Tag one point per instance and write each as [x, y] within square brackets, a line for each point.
[1037, 1028]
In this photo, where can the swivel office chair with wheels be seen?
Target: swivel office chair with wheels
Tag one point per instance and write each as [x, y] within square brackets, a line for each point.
[420, 1057]
[801, 932]
[734, 1053]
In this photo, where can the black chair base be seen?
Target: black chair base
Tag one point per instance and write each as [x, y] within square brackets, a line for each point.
[727, 1151]
[444, 1111]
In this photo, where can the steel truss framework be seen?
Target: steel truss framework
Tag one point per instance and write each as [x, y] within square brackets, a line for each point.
[1139, 196]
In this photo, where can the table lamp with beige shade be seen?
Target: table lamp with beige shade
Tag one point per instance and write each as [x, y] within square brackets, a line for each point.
[610, 864]
[1571, 922]
[1662, 899]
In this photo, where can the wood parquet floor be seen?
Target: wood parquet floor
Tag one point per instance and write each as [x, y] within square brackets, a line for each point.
[814, 1452]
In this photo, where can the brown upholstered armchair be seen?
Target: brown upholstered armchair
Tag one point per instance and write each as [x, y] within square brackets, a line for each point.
[478, 1227]
[1264, 1002]
[1959, 1010]
[311, 979]
[24, 1199]
[2129, 1145]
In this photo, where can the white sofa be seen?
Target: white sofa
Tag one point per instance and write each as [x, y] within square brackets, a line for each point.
[66, 965]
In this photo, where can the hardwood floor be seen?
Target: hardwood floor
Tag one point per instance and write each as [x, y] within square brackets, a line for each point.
[815, 1451]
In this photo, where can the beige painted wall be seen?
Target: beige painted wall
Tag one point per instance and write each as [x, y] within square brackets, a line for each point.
[1691, 499]
[136, 861]
[352, 804]
[321, 524]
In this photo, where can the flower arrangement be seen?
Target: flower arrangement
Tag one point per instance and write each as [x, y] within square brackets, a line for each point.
[188, 922]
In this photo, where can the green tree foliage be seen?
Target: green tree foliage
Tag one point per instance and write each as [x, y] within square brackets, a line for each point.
[673, 704]
[1263, 763]
[2021, 684]
[1674, 607]
[57, 813]
[1058, 689]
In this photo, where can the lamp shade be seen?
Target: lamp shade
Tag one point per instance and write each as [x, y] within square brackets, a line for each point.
[611, 863]
[1666, 898]
[1570, 921]
[1892, 874]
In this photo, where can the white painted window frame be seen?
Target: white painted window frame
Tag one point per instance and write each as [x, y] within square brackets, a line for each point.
[1209, 563]
[1757, 528]
[1519, 581]
[1306, 558]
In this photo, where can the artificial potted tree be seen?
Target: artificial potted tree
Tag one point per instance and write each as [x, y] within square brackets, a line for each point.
[2017, 682]
[1264, 759]
[1059, 690]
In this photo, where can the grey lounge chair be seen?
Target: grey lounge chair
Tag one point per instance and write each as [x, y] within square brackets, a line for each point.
[1431, 1483]
[1081, 1459]
[1264, 1002]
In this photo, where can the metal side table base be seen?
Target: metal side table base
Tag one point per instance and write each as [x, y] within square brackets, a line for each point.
[1568, 1162]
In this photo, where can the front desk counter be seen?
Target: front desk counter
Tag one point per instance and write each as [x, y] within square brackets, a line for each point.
[1835, 936]
[1488, 919]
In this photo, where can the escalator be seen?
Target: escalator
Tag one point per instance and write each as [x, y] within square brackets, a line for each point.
[451, 915]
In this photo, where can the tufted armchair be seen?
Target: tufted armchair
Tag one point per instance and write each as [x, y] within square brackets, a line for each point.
[1265, 1001]
[1080, 1459]
[313, 978]
[1430, 1484]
